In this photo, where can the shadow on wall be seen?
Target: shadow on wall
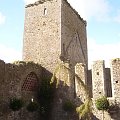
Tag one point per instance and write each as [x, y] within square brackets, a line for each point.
[64, 106]
[94, 117]
[114, 111]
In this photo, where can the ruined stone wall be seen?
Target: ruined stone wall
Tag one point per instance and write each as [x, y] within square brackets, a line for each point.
[80, 70]
[64, 93]
[105, 81]
[12, 78]
[98, 77]
[42, 33]
[73, 35]
[54, 30]
[115, 77]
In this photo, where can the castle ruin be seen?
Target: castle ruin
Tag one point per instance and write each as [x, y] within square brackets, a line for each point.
[54, 32]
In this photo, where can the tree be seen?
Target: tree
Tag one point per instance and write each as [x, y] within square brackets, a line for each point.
[102, 104]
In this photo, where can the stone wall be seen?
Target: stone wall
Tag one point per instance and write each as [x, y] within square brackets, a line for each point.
[64, 93]
[54, 31]
[73, 35]
[42, 33]
[12, 78]
[115, 77]
[98, 77]
[105, 82]
[80, 70]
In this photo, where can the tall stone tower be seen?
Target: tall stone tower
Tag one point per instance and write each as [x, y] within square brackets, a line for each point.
[54, 31]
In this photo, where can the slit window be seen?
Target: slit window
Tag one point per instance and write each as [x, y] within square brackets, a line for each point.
[97, 73]
[45, 11]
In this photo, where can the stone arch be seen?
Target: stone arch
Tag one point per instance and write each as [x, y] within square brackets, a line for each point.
[30, 83]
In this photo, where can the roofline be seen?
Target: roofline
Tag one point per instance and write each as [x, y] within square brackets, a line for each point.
[42, 1]
[36, 3]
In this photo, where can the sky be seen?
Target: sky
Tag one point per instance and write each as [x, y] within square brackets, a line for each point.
[103, 28]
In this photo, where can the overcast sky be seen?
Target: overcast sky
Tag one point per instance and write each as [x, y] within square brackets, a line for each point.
[103, 28]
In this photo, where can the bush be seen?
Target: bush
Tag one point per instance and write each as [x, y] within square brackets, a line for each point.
[16, 104]
[32, 106]
[68, 106]
[102, 103]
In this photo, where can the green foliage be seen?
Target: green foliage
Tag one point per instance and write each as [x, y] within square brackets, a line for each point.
[32, 106]
[102, 103]
[16, 104]
[68, 106]
[25, 63]
[84, 110]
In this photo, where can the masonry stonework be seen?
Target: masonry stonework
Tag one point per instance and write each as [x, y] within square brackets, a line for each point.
[11, 87]
[80, 70]
[73, 35]
[98, 76]
[54, 33]
[115, 74]
[60, 33]
[42, 33]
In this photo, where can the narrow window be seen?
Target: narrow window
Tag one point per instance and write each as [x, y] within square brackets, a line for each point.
[45, 11]
[97, 73]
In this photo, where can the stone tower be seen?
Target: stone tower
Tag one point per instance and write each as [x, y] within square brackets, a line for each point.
[54, 31]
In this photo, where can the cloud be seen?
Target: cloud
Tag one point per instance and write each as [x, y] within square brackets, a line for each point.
[102, 51]
[29, 1]
[9, 54]
[117, 17]
[98, 9]
[2, 18]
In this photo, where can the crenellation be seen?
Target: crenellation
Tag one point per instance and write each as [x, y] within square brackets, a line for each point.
[98, 77]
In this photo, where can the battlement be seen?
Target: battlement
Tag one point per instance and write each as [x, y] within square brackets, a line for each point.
[105, 81]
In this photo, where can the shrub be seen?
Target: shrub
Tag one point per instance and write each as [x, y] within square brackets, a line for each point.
[68, 106]
[102, 103]
[85, 110]
[32, 106]
[16, 104]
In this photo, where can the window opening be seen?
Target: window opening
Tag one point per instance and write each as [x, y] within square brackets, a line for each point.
[116, 81]
[45, 11]
[97, 73]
